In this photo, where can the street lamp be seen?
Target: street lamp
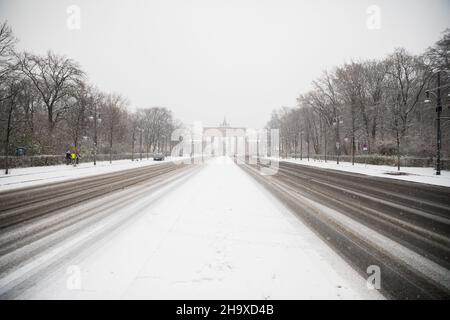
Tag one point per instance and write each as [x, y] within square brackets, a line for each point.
[436, 92]
[97, 120]
[140, 142]
[133, 137]
[336, 122]
[301, 145]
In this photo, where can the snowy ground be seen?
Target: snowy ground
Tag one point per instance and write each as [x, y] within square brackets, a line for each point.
[216, 235]
[26, 177]
[415, 174]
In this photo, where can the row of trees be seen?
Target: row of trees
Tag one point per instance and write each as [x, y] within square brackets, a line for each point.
[375, 105]
[47, 106]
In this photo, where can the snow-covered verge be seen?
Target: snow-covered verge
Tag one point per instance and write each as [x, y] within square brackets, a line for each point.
[219, 236]
[32, 176]
[415, 174]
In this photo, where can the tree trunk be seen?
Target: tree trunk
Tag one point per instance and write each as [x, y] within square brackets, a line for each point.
[295, 146]
[353, 134]
[132, 146]
[325, 142]
[338, 141]
[110, 145]
[353, 149]
[8, 134]
[398, 150]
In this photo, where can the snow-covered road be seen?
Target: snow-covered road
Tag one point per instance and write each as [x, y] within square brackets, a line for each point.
[413, 174]
[216, 235]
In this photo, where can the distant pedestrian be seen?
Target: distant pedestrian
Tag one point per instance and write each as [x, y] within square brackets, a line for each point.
[68, 157]
[73, 156]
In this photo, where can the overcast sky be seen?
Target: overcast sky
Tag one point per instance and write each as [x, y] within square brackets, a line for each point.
[206, 59]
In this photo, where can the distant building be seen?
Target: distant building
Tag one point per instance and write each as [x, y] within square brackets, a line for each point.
[228, 143]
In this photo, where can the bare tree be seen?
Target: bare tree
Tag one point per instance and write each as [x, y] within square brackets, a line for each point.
[10, 113]
[7, 43]
[326, 89]
[157, 123]
[114, 117]
[76, 117]
[407, 77]
[439, 55]
[372, 101]
[55, 78]
[47, 105]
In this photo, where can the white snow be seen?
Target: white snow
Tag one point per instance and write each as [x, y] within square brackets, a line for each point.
[217, 235]
[32, 176]
[414, 174]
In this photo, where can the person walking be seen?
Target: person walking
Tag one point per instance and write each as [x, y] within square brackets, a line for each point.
[74, 158]
[68, 157]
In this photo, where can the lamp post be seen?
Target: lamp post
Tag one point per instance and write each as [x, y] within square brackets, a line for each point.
[301, 145]
[96, 119]
[295, 146]
[307, 141]
[436, 92]
[325, 143]
[140, 142]
[353, 149]
[133, 138]
[336, 122]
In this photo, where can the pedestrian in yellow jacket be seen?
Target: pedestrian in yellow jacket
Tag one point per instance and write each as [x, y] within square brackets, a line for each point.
[73, 155]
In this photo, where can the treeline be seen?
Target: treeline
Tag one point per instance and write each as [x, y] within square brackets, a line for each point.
[371, 107]
[48, 107]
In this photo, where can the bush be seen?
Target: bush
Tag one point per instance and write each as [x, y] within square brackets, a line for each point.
[378, 159]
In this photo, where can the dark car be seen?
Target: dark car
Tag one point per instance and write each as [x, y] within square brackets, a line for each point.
[158, 157]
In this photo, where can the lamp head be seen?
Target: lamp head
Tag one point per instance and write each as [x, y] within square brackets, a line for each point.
[427, 95]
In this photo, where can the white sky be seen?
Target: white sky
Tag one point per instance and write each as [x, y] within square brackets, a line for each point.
[206, 59]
